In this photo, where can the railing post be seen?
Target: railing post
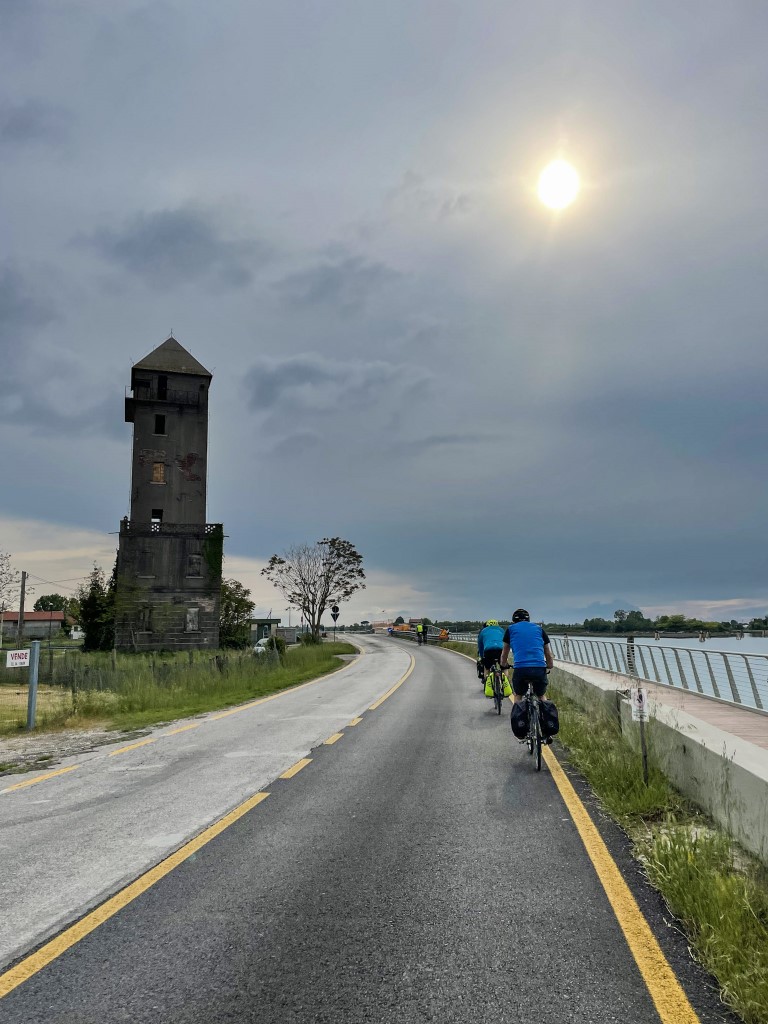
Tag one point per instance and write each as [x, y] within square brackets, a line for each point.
[731, 680]
[680, 669]
[695, 673]
[712, 677]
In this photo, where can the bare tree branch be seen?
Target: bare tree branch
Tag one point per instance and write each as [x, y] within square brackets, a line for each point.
[313, 575]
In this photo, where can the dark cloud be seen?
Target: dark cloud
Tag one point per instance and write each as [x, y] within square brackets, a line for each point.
[313, 385]
[342, 284]
[22, 309]
[33, 121]
[169, 248]
[34, 373]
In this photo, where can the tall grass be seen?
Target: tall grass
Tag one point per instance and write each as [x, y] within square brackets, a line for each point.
[615, 770]
[723, 906]
[129, 691]
[719, 893]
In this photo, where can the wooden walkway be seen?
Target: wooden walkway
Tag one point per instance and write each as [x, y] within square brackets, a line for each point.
[748, 725]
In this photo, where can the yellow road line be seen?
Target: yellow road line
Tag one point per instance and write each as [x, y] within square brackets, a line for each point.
[133, 746]
[333, 739]
[296, 768]
[40, 778]
[356, 721]
[397, 685]
[184, 728]
[51, 950]
[661, 981]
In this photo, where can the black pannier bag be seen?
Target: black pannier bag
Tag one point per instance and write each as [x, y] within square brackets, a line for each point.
[518, 719]
[549, 718]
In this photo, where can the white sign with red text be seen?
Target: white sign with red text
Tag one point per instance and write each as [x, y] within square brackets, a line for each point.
[17, 659]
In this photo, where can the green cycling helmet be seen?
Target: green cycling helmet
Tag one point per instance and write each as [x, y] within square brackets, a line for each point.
[492, 622]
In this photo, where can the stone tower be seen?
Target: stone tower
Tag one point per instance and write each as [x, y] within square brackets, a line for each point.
[169, 560]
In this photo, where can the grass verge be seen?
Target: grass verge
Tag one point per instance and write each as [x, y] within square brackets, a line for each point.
[144, 690]
[717, 891]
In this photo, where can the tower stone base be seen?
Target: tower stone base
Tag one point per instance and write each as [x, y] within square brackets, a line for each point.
[168, 586]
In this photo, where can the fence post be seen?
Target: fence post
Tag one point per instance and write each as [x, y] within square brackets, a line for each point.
[631, 656]
[34, 667]
[631, 664]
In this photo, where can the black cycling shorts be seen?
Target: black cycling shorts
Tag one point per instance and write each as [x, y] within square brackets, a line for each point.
[535, 675]
[490, 656]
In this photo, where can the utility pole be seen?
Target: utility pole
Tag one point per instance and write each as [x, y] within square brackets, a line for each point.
[20, 625]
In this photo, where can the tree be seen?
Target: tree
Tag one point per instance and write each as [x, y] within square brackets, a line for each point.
[52, 603]
[58, 603]
[9, 580]
[97, 611]
[235, 618]
[399, 621]
[620, 615]
[636, 621]
[597, 625]
[314, 575]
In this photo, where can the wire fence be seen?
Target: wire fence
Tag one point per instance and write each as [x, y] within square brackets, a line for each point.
[69, 681]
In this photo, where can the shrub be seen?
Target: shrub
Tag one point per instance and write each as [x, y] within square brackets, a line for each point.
[308, 638]
[276, 643]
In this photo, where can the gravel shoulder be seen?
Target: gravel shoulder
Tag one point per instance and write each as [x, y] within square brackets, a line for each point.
[32, 751]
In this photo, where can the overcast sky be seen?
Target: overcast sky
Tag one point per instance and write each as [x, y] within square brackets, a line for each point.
[332, 205]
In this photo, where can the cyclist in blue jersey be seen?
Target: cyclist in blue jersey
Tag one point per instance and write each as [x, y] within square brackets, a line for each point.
[532, 657]
[490, 641]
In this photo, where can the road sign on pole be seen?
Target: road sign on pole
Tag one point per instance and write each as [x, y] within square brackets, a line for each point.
[334, 616]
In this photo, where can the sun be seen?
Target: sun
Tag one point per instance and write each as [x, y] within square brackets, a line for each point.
[559, 184]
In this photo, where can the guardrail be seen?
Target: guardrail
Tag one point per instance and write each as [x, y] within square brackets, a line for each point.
[740, 679]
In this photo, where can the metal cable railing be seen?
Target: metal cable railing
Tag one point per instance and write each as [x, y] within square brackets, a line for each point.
[740, 679]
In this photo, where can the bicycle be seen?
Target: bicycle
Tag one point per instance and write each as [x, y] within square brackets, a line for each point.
[497, 682]
[534, 738]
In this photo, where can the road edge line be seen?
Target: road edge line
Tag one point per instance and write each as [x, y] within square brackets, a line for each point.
[397, 685]
[664, 988]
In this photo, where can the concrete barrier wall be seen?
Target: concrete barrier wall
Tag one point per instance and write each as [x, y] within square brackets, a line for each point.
[725, 776]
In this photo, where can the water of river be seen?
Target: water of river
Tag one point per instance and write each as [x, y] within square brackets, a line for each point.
[749, 645]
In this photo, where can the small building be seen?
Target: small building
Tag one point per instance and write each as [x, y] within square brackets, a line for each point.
[37, 625]
[261, 628]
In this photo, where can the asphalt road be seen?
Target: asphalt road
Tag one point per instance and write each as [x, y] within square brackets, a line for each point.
[418, 869]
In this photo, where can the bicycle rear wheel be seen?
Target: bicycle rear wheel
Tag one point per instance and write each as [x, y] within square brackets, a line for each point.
[536, 733]
[531, 737]
[498, 693]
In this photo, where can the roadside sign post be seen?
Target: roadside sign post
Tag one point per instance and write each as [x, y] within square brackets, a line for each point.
[334, 616]
[28, 658]
[638, 697]
[34, 667]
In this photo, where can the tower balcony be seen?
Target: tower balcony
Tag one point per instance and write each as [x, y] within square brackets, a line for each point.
[132, 528]
[146, 394]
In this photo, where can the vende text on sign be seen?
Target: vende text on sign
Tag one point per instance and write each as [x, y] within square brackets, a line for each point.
[17, 659]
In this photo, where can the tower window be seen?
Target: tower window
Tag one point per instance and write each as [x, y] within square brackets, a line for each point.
[162, 388]
[192, 624]
[158, 472]
[157, 515]
[159, 424]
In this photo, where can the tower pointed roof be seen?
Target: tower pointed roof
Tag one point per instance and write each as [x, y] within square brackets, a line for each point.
[173, 358]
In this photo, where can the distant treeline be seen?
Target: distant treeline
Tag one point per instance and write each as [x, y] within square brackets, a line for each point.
[625, 622]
